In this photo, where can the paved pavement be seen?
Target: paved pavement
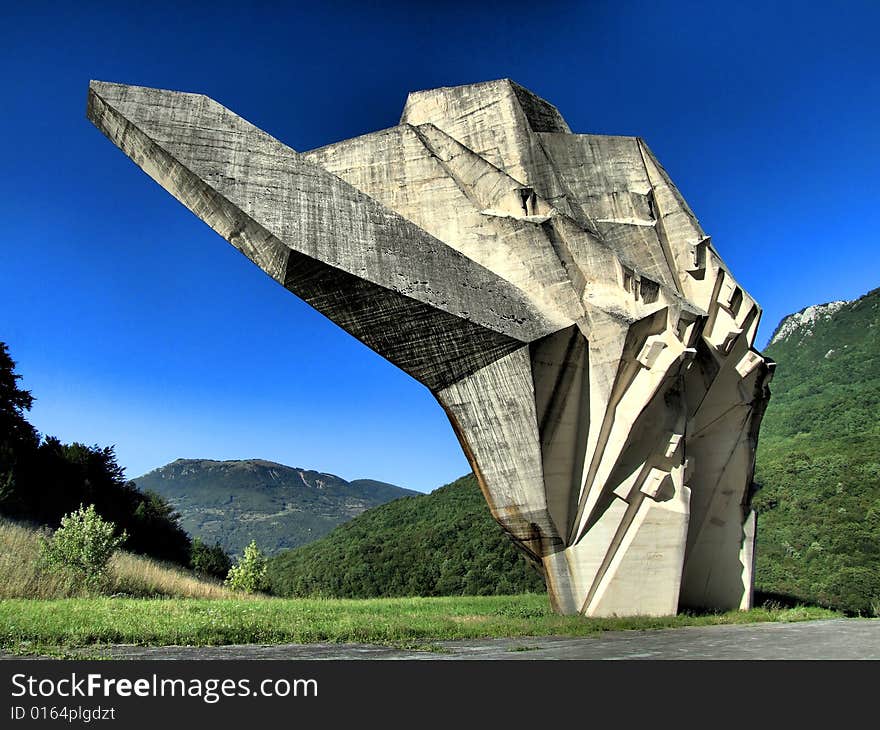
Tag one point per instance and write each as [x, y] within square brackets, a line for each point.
[829, 639]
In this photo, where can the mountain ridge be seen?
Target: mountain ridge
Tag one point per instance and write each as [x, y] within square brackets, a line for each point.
[234, 501]
[260, 462]
[811, 314]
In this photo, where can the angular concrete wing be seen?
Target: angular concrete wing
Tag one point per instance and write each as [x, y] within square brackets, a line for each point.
[552, 290]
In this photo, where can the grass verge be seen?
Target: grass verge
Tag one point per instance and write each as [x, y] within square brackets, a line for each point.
[28, 626]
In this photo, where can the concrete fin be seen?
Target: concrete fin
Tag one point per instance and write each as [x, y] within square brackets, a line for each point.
[605, 176]
[433, 346]
[493, 414]
[718, 568]
[200, 151]
[634, 388]
[560, 374]
[713, 572]
[644, 577]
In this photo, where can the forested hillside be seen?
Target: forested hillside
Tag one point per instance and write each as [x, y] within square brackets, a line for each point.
[818, 461]
[439, 544]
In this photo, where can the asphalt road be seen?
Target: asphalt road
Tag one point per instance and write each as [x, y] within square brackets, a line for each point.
[830, 639]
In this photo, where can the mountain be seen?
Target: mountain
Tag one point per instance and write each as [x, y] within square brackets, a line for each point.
[279, 506]
[443, 543]
[818, 461]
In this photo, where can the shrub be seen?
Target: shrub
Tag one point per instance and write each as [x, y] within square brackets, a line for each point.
[249, 573]
[82, 545]
[210, 560]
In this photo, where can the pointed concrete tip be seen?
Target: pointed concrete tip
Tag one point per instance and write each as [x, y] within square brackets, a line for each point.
[95, 90]
[95, 86]
[120, 96]
[103, 90]
[107, 87]
[100, 87]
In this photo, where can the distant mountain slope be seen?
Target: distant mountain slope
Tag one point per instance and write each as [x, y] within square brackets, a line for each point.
[279, 506]
[443, 543]
[819, 458]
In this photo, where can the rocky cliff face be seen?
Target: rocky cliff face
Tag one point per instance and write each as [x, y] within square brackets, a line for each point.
[802, 323]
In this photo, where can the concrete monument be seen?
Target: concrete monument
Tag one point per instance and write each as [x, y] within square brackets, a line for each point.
[552, 290]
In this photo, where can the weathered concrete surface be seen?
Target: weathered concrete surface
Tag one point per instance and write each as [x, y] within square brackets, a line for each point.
[831, 639]
[553, 291]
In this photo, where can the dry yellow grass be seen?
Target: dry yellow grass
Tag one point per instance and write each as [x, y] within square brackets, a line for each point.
[22, 577]
[136, 575]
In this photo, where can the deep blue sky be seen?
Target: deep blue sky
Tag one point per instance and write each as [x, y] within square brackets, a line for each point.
[135, 325]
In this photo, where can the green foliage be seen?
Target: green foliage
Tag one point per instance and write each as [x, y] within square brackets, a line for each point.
[14, 401]
[209, 560]
[281, 507]
[249, 573]
[82, 545]
[818, 463]
[41, 480]
[441, 544]
[18, 439]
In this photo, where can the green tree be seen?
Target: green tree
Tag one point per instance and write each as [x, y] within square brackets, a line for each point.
[70, 474]
[249, 573]
[14, 401]
[211, 560]
[83, 545]
[18, 439]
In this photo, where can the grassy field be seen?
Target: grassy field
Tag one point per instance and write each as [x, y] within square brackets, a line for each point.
[130, 575]
[28, 625]
[149, 603]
